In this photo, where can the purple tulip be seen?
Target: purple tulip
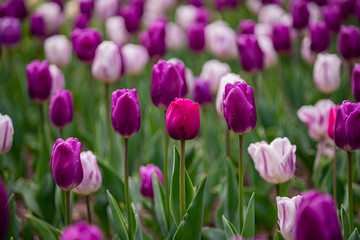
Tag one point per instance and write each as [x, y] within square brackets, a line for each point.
[348, 42]
[86, 6]
[319, 2]
[241, 118]
[65, 163]
[10, 31]
[183, 119]
[13, 8]
[139, 4]
[180, 66]
[82, 231]
[85, 41]
[81, 21]
[4, 211]
[202, 92]
[61, 108]
[246, 26]
[316, 217]
[37, 25]
[357, 10]
[346, 132]
[332, 16]
[196, 36]
[154, 39]
[223, 4]
[196, 3]
[131, 15]
[251, 55]
[347, 6]
[146, 173]
[320, 37]
[46, 20]
[355, 82]
[281, 37]
[300, 14]
[39, 80]
[125, 112]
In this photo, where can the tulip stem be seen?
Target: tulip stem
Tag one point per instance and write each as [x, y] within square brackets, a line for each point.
[91, 106]
[67, 202]
[87, 198]
[61, 133]
[241, 182]
[334, 178]
[166, 183]
[42, 164]
[351, 212]
[154, 218]
[127, 197]
[227, 139]
[277, 186]
[182, 180]
[108, 120]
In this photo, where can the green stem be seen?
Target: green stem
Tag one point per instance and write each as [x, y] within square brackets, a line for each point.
[61, 133]
[241, 182]
[108, 119]
[334, 178]
[227, 139]
[67, 202]
[166, 182]
[42, 161]
[91, 109]
[182, 180]
[154, 219]
[127, 196]
[277, 189]
[88, 208]
[351, 211]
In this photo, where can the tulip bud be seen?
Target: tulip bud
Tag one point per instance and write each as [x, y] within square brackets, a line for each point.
[327, 72]
[281, 37]
[10, 31]
[183, 119]
[82, 231]
[332, 16]
[86, 6]
[202, 93]
[105, 9]
[223, 4]
[58, 50]
[331, 123]
[37, 25]
[306, 53]
[154, 39]
[146, 173]
[180, 66]
[271, 14]
[135, 58]
[287, 209]
[116, 30]
[270, 55]
[4, 210]
[355, 82]
[61, 108]
[92, 176]
[65, 163]
[320, 37]
[196, 36]
[13, 8]
[346, 133]
[300, 14]
[275, 162]
[175, 36]
[39, 80]
[81, 21]
[246, 26]
[6, 134]
[186, 15]
[85, 41]
[131, 15]
[241, 118]
[316, 217]
[357, 10]
[316, 118]
[251, 55]
[348, 42]
[125, 112]
[213, 70]
[58, 80]
[49, 17]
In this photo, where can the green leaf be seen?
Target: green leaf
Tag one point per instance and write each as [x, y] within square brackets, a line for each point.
[44, 229]
[248, 230]
[14, 227]
[345, 222]
[190, 226]
[28, 190]
[159, 205]
[212, 234]
[117, 219]
[229, 228]
[110, 176]
[175, 188]
[138, 231]
[278, 235]
[355, 235]
[231, 196]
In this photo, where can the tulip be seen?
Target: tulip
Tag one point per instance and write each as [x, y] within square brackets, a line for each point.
[202, 93]
[180, 66]
[357, 10]
[10, 31]
[116, 30]
[213, 70]
[105, 9]
[61, 108]
[287, 209]
[331, 123]
[281, 37]
[186, 15]
[355, 82]
[135, 58]
[86, 6]
[131, 15]
[306, 53]
[275, 162]
[332, 16]
[58, 80]
[39, 80]
[327, 72]
[85, 41]
[246, 26]
[320, 37]
[4, 210]
[348, 42]
[316, 217]
[223, 4]
[82, 231]
[58, 50]
[251, 55]
[146, 173]
[139, 4]
[154, 39]
[347, 7]
[81, 21]
[270, 55]
[196, 3]
[37, 25]
[271, 14]
[196, 36]
[263, 29]
[6, 134]
[175, 36]
[300, 14]
[13, 8]
[49, 17]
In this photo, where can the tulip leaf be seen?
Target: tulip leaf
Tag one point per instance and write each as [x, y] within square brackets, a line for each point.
[278, 235]
[14, 227]
[190, 226]
[116, 217]
[28, 190]
[44, 229]
[355, 235]
[345, 222]
[175, 188]
[229, 228]
[159, 205]
[212, 234]
[248, 230]
[137, 225]
[231, 196]
[110, 176]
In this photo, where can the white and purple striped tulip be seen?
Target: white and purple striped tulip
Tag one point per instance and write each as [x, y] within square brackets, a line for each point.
[275, 162]
[287, 215]
[6, 133]
[326, 72]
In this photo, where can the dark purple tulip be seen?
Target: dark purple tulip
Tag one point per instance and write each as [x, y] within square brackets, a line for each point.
[13, 8]
[154, 39]
[65, 163]
[264, 2]
[167, 83]
[348, 42]
[131, 15]
[139, 4]
[202, 92]
[246, 26]
[355, 82]
[196, 36]
[347, 132]
[357, 10]
[300, 14]
[10, 31]
[39, 80]
[61, 108]
[86, 6]
[222, 4]
[146, 173]
[316, 218]
[332, 16]
[281, 38]
[37, 25]
[347, 6]
[203, 15]
[82, 231]
[241, 118]
[251, 55]
[4, 211]
[85, 41]
[125, 112]
[319, 2]
[81, 21]
[320, 37]
[196, 3]
[179, 65]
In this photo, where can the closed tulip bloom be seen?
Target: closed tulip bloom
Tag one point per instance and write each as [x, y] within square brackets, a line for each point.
[154, 39]
[82, 231]
[61, 108]
[146, 174]
[331, 123]
[202, 93]
[227, 78]
[180, 66]
[58, 50]
[116, 30]
[326, 72]
[4, 211]
[246, 26]
[37, 25]
[251, 55]
[135, 58]
[6, 133]
[58, 80]
[281, 37]
[65, 163]
[346, 132]
[105, 9]
[332, 16]
[223, 4]
[39, 80]
[52, 18]
[316, 118]
[316, 217]
[320, 37]
[85, 41]
[348, 42]
[86, 6]
[186, 15]
[306, 53]
[131, 15]
[270, 14]
[300, 14]
[81, 21]
[270, 55]
[355, 82]
[175, 36]
[287, 208]
[125, 112]
[357, 10]
[196, 36]
[241, 118]
[13, 8]
[183, 119]
[213, 70]
[92, 177]
[10, 31]
[275, 162]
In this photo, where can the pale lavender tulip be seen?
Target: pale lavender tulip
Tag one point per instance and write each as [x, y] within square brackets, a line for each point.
[6, 133]
[58, 80]
[116, 30]
[105, 9]
[326, 72]
[271, 13]
[306, 53]
[287, 208]
[52, 17]
[135, 58]
[174, 36]
[270, 55]
[213, 70]
[58, 50]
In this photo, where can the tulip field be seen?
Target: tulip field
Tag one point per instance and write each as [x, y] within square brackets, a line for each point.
[180, 119]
